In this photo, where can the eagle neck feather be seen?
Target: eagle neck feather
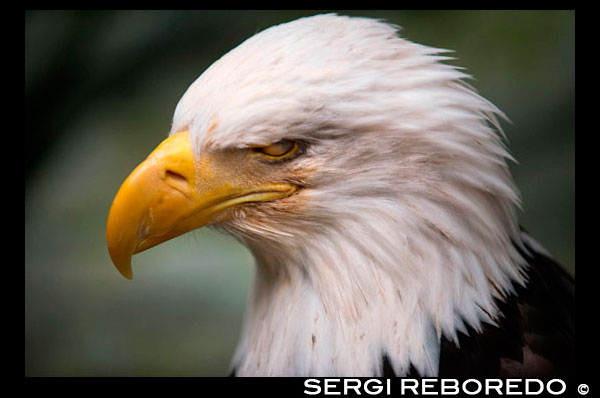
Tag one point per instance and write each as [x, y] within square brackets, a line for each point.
[339, 304]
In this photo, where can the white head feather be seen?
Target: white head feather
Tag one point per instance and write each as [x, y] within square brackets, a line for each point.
[403, 230]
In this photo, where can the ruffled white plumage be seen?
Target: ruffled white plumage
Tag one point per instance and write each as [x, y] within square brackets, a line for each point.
[407, 220]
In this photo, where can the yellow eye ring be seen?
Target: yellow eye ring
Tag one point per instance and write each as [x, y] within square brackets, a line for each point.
[278, 150]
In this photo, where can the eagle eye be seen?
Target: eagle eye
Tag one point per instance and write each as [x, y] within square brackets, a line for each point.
[279, 150]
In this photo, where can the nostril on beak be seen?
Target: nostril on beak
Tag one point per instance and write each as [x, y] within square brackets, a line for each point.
[177, 181]
[175, 176]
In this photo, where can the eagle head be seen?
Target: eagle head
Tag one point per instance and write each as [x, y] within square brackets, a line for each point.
[367, 178]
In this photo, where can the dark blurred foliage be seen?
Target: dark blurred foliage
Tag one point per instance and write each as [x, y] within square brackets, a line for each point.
[101, 88]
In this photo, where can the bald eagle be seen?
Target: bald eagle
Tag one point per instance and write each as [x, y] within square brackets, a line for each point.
[371, 185]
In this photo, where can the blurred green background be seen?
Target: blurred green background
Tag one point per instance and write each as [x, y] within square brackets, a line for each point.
[101, 88]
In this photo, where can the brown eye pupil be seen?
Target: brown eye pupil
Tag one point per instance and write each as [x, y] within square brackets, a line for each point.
[278, 149]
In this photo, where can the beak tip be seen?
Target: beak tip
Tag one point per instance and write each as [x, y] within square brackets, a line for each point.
[126, 271]
[122, 263]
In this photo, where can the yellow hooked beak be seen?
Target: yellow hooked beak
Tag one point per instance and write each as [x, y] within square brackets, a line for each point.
[171, 193]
